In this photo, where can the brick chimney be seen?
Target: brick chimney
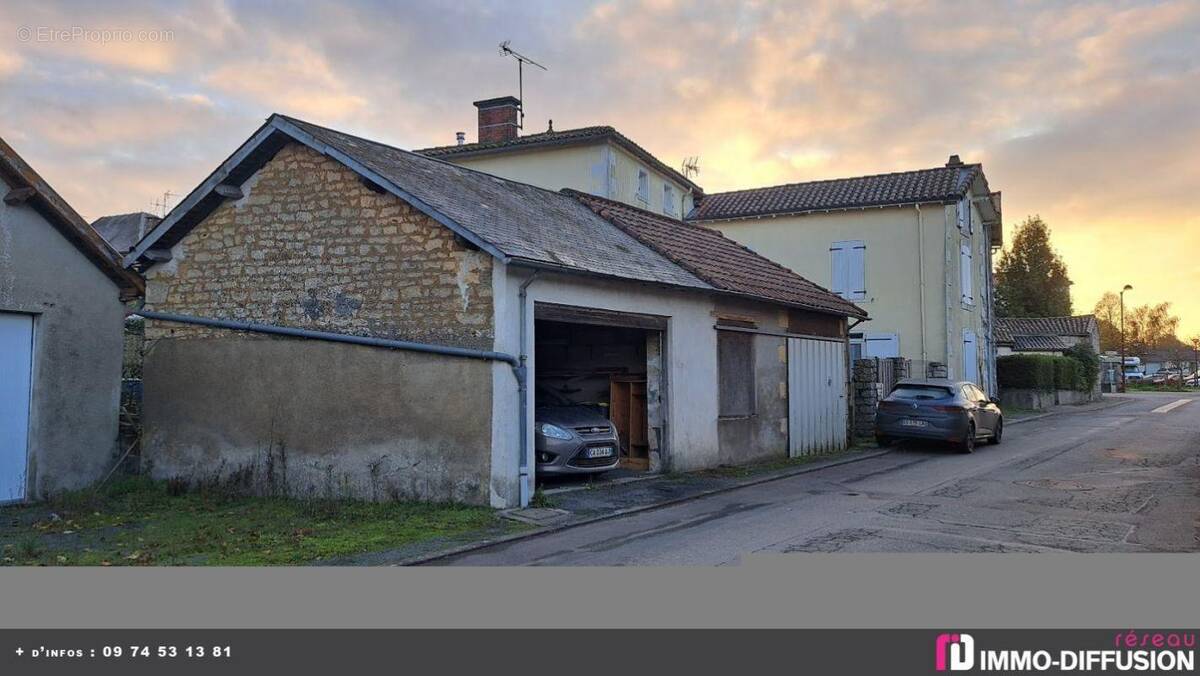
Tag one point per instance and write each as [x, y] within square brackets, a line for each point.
[954, 161]
[498, 119]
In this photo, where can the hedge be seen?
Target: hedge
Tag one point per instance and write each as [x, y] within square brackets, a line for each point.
[1026, 372]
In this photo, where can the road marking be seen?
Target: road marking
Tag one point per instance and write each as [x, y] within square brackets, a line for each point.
[1171, 406]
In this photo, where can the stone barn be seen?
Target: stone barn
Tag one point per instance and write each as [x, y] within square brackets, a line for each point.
[332, 316]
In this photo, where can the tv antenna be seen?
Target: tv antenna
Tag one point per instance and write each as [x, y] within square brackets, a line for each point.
[505, 50]
[691, 166]
[162, 204]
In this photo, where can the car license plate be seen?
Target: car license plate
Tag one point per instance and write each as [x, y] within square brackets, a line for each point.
[914, 423]
[602, 452]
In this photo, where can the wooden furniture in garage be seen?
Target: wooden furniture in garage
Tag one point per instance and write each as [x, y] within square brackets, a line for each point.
[627, 409]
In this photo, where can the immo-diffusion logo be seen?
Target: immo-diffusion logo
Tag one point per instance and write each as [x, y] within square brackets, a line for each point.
[1159, 651]
[959, 648]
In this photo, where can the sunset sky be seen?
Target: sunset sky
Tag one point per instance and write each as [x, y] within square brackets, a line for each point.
[1086, 113]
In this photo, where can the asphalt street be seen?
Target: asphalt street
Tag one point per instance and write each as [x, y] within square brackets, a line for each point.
[1123, 479]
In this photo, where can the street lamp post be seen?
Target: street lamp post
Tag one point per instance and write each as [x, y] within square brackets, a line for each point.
[1127, 288]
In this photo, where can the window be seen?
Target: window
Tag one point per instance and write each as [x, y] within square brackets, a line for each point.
[965, 273]
[735, 364]
[856, 347]
[643, 186]
[849, 274]
[964, 214]
[668, 200]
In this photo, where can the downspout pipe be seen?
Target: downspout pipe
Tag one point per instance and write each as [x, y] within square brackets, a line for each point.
[272, 329]
[521, 370]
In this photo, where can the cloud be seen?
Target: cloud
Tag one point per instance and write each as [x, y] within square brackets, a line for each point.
[1083, 112]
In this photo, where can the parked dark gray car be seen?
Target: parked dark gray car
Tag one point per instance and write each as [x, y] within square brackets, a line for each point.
[939, 409]
[573, 438]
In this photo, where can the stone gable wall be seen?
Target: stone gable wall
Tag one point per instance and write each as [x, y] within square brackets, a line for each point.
[310, 245]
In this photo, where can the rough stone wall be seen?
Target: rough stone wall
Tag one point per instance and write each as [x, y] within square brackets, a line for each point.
[310, 245]
[865, 387]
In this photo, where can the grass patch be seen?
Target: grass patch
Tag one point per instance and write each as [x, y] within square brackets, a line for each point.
[1152, 387]
[136, 521]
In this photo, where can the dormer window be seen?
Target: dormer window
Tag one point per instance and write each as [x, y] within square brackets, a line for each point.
[643, 186]
[669, 200]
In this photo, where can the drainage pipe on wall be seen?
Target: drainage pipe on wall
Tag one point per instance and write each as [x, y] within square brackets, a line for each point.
[522, 372]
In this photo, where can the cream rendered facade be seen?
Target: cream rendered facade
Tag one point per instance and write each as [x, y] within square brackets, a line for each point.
[603, 168]
[914, 286]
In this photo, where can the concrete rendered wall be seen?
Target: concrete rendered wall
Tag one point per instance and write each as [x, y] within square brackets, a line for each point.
[78, 323]
[695, 436]
[898, 240]
[309, 245]
[600, 169]
[284, 416]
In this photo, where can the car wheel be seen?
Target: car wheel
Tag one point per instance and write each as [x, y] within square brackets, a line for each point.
[882, 440]
[968, 443]
[998, 432]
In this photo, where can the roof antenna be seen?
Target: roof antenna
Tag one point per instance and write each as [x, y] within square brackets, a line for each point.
[691, 166]
[505, 50]
[162, 205]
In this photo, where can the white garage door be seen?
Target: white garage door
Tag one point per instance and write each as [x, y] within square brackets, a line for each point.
[16, 361]
[817, 404]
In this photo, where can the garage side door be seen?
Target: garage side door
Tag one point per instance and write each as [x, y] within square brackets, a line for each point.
[817, 404]
[16, 361]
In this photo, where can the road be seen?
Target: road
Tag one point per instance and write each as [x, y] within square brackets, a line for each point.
[1123, 479]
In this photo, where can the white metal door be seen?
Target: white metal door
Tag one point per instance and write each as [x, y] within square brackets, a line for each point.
[817, 404]
[16, 362]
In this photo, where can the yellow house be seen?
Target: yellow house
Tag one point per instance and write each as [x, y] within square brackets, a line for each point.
[913, 249]
[596, 160]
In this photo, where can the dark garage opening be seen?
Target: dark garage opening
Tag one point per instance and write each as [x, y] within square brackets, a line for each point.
[589, 372]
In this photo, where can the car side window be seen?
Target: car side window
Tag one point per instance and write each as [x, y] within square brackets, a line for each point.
[979, 395]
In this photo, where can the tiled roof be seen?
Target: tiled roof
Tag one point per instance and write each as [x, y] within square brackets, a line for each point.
[941, 184]
[717, 259]
[21, 177]
[1038, 343]
[1008, 328]
[122, 231]
[560, 138]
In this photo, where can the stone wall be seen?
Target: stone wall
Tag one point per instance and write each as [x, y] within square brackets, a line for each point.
[868, 389]
[310, 245]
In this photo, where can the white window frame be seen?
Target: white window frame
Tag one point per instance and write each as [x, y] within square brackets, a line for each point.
[643, 186]
[964, 214]
[848, 250]
[966, 275]
[668, 199]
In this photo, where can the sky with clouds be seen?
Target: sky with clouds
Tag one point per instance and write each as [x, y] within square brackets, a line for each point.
[1086, 113]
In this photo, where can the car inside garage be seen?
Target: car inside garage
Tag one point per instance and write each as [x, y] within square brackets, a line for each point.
[597, 389]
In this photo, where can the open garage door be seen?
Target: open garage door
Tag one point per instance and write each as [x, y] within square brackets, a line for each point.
[817, 406]
[597, 391]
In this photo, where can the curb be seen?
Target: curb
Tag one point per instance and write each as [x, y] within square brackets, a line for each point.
[1048, 414]
[525, 535]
